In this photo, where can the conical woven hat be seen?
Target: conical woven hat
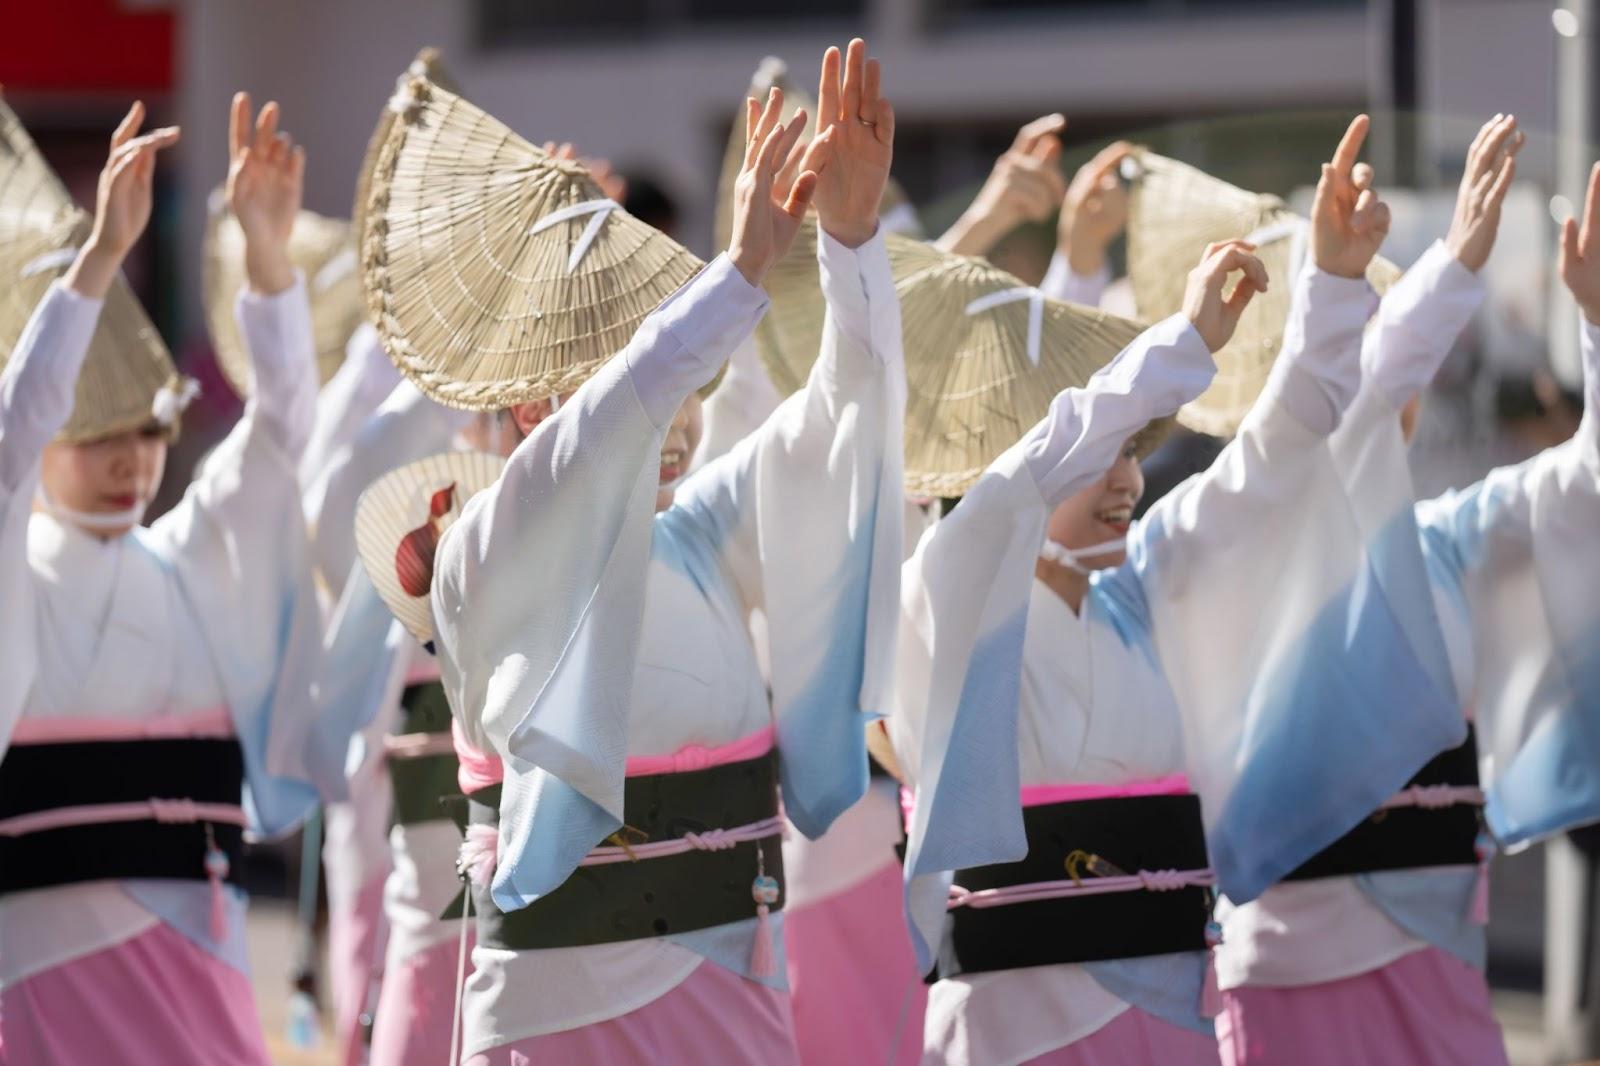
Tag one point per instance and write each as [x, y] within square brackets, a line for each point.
[323, 249]
[972, 385]
[790, 333]
[495, 273]
[400, 520]
[128, 375]
[427, 65]
[1174, 212]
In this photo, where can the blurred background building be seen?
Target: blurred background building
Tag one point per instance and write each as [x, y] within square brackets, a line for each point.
[1254, 91]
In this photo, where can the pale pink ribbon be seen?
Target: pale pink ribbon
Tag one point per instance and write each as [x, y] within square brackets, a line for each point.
[1143, 881]
[1434, 797]
[166, 811]
[710, 840]
[213, 724]
[418, 745]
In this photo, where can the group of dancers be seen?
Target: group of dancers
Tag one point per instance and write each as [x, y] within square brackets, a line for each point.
[671, 708]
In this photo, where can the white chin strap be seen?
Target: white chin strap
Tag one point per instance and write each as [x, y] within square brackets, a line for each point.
[102, 521]
[1071, 558]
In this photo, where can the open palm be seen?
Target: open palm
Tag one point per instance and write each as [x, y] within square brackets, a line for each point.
[266, 173]
[860, 125]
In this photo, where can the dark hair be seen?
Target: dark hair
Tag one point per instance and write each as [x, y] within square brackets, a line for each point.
[650, 203]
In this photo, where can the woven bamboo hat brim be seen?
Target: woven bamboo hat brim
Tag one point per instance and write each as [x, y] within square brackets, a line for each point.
[790, 332]
[972, 385]
[128, 377]
[428, 65]
[1174, 212]
[496, 273]
[400, 520]
[322, 249]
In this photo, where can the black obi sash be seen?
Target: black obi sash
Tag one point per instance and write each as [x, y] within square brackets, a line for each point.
[652, 897]
[423, 783]
[1402, 838]
[1131, 834]
[55, 777]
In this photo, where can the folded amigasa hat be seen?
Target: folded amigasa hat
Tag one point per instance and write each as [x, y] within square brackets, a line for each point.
[985, 356]
[495, 273]
[1174, 212]
[128, 378]
[322, 249]
[429, 66]
[400, 519]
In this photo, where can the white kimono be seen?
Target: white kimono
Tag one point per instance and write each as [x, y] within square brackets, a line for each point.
[1509, 565]
[575, 627]
[1203, 638]
[211, 606]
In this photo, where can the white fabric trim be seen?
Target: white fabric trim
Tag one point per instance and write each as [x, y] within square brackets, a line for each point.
[51, 260]
[1071, 558]
[1002, 297]
[599, 209]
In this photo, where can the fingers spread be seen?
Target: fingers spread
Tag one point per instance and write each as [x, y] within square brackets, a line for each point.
[128, 126]
[885, 123]
[238, 124]
[1349, 150]
[805, 186]
[828, 90]
[871, 89]
[266, 129]
[1039, 128]
[855, 61]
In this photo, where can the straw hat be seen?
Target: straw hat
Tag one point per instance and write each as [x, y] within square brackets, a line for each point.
[428, 65]
[1176, 210]
[400, 520]
[790, 333]
[323, 249]
[985, 355]
[495, 273]
[128, 378]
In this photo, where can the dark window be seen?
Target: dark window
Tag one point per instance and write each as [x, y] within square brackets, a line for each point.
[521, 23]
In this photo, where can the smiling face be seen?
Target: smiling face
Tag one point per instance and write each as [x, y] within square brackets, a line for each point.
[1100, 512]
[112, 476]
[678, 448]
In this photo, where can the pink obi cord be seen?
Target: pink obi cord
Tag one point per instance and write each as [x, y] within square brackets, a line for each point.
[418, 745]
[480, 769]
[1043, 795]
[168, 811]
[214, 724]
[1144, 880]
[1434, 797]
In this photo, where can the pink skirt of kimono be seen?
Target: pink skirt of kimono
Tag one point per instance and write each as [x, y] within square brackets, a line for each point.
[416, 1007]
[154, 1000]
[1134, 1038]
[352, 963]
[1427, 1008]
[853, 975]
[714, 1016]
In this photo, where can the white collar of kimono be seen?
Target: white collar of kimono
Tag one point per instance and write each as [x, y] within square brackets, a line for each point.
[102, 521]
[1072, 558]
[599, 209]
[1001, 297]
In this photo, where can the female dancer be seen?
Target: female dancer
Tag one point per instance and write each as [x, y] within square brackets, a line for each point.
[156, 692]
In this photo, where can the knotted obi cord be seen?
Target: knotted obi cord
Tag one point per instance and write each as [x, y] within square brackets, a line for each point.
[478, 850]
[1001, 297]
[599, 209]
[210, 725]
[418, 745]
[1435, 797]
[1111, 880]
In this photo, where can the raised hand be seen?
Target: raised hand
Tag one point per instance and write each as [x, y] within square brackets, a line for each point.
[1215, 317]
[1491, 164]
[860, 125]
[1348, 221]
[1580, 252]
[266, 172]
[1094, 210]
[611, 183]
[1024, 186]
[123, 202]
[776, 183]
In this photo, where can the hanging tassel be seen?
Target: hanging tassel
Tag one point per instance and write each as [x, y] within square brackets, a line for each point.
[764, 890]
[1479, 911]
[217, 866]
[1211, 1003]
